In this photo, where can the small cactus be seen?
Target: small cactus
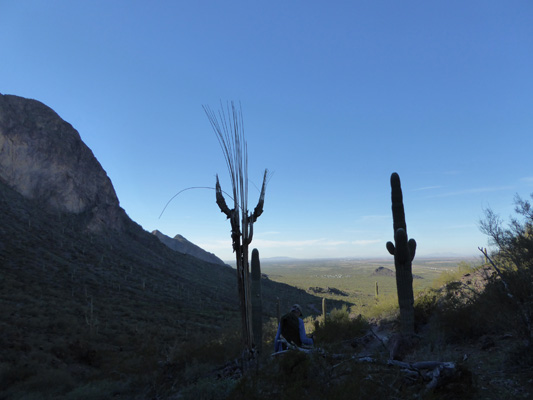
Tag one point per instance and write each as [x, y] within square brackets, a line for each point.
[324, 310]
[257, 307]
[278, 310]
[403, 251]
[377, 289]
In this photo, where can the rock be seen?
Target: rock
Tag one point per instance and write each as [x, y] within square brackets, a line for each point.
[43, 158]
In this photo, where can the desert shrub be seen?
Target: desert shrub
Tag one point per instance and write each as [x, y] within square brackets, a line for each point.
[292, 375]
[385, 308]
[460, 312]
[206, 348]
[187, 364]
[270, 328]
[14, 374]
[50, 382]
[425, 305]
[208, 389]
[453, 310]
[99, 390]
[513, 261]
[454, 275]
[339, 326]
[297, 375]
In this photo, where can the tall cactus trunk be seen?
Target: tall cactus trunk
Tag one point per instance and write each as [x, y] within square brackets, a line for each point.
[229, 128]
[403, 251]
[324, 310]
[257, 305]
[278, 310]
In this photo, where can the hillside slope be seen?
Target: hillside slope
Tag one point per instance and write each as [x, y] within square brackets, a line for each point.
[88, 306]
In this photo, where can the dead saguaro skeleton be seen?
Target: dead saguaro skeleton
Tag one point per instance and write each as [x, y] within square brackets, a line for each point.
[229, 128]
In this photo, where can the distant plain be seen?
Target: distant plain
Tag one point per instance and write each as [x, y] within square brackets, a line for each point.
[356, 278]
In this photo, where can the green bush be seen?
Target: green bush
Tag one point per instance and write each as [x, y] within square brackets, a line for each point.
[425, 305]
[385, 308]
[513, 260]
[339, 326]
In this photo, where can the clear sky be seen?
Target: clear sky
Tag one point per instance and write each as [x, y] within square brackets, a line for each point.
[335, 95]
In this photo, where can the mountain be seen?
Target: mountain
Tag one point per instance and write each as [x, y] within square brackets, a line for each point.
[92, 305]
[179, 243]
[43, 158]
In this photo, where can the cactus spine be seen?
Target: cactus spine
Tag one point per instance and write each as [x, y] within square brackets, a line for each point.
[257, 306]
[403, 251]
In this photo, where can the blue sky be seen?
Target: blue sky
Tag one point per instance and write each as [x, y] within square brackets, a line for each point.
[335, 96]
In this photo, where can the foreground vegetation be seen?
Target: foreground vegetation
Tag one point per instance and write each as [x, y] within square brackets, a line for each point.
[455, 322]
[476, 320]
[113, 314]
[87, 316]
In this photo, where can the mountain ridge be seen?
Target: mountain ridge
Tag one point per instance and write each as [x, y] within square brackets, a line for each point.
[182, 245]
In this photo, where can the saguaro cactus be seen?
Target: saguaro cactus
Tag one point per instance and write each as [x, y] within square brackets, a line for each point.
[257, 305]
[229, 128]
[278, 310]
[403, 251]
[324, 309]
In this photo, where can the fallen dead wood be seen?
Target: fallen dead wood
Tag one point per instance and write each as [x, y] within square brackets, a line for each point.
[432, 372]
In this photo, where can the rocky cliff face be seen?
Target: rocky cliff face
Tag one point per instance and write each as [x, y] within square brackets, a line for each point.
[179, 243]
[43, 158]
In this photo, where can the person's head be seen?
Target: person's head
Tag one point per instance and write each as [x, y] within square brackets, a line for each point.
[297, 310]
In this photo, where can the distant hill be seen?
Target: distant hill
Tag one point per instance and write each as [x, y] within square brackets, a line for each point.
[383, 271]
[179, 243]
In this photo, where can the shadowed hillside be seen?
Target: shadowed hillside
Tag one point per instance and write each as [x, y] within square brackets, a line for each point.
[90, 303]
[108, 306]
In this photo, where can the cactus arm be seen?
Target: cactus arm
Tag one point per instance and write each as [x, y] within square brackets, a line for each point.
[221, 202]
[412, 248]
[250, 235]
[258, 210]
[390, 248]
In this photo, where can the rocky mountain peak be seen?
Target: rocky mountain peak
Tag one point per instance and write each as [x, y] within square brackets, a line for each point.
[182, 245]
[43, 158]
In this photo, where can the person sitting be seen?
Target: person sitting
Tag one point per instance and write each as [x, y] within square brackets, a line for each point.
[292, 329]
